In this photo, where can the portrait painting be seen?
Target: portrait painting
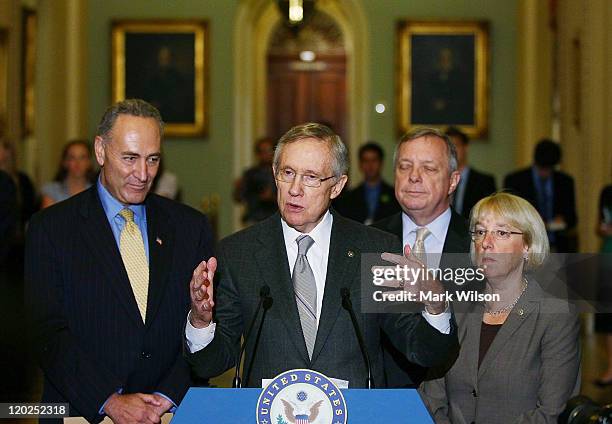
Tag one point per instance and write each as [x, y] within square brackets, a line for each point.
[443, 75]
[163, 62]
[3, 80]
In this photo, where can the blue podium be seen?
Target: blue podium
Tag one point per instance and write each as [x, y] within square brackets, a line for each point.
[237, 406]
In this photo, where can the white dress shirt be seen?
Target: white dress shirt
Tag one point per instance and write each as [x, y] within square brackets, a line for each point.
[434, 244]
[317, 255]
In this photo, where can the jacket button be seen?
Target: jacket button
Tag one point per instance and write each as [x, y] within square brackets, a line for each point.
[145, 355]
[474, 393]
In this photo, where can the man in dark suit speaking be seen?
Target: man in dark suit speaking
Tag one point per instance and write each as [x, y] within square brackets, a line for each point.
[305, 255]
[107, 281]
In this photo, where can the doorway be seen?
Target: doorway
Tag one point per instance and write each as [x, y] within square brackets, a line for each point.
[256, 21]
[306, 76]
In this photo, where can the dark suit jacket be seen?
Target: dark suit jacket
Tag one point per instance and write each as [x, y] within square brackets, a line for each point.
[478, 186]
[457, 237]
[530, 370]
[352, 204]
[87, 331]
[257, 256]
[564, 202]
[8, 213]
[400, 371]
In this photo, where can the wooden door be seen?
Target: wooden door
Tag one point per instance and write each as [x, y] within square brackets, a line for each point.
[301, 92]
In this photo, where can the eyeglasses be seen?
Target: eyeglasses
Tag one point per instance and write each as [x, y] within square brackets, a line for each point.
[478, 235]
[288, 175]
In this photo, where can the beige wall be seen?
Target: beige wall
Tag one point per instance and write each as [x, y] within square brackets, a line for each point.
[73, 79]
[587, 74]
[534, 83]
[59, 81]
[584, 59]
[60, 88]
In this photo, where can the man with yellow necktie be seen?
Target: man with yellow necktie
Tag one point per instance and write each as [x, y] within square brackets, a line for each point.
[107, 281]
[426, 176]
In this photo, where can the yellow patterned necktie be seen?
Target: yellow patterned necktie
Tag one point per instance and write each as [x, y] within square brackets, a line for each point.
[418, 249]
[131, 246]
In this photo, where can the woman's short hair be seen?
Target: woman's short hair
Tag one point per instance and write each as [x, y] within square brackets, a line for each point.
[519, 213]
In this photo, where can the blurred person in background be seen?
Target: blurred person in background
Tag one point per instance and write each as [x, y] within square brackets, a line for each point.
[75, 174]
[166, 183]
[473, 185]
[256, 189]
[520, 355]
[551, 192]
[8, 215]
[26, 203]
[603, 321]
[373, 199]
[27, 197]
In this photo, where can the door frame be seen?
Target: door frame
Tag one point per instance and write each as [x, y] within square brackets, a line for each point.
[255, 21]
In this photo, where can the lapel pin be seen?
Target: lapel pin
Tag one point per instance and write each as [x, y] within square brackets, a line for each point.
[350, 253]
[521, 312]
[158, 241]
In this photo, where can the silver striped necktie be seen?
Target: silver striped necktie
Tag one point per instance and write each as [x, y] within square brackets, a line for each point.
[305, 289]
[418, 249]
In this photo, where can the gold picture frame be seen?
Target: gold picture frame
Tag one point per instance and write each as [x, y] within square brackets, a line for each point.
[29, 20]
[443, 75]
[4, 46]
[166, 63]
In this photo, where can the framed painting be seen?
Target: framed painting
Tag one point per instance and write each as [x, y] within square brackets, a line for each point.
[3, 81]
[442, 75]
[165, 63]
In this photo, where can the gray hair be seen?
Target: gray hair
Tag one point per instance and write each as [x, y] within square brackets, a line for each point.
[429, 132]
[318, 132]
[133, 107]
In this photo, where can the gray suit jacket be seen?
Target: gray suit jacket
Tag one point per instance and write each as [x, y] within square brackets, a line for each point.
[256, 257]
[530, 370]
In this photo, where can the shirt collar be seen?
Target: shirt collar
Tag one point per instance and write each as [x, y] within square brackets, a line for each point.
[112, 206]
[374, 187]
[438, 227]
[321, 234]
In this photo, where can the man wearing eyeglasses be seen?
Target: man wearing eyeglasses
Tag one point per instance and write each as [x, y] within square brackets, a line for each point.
[426, 176]
[305, 255]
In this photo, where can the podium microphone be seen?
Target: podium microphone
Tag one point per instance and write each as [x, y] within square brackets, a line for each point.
[348, 305]
[264, 292]
[267, 304]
